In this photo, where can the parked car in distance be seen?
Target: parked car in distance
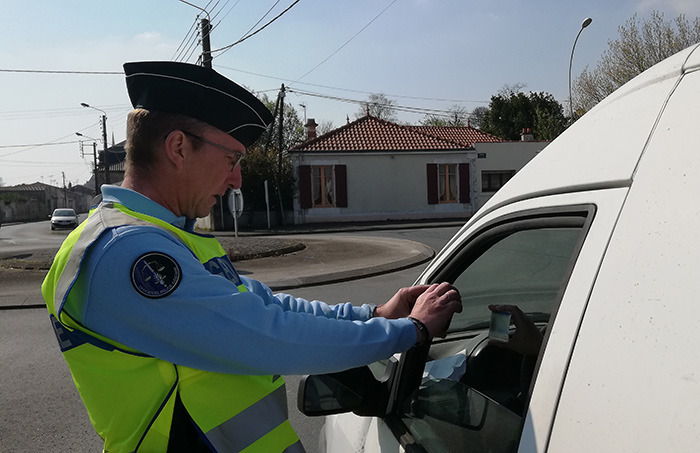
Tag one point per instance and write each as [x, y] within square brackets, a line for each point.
[596, 240]
[64, 218]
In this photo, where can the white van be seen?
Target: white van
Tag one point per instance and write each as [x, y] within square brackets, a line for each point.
[597, 239]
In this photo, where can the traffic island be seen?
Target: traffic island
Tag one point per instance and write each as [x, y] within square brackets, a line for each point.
[238, 249]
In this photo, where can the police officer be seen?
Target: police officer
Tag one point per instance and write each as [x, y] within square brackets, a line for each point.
[170, 349]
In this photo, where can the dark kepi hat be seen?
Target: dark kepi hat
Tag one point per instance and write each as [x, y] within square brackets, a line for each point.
[200, 93]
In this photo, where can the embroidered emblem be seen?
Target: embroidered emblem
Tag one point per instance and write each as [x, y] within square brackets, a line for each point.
[155, 275]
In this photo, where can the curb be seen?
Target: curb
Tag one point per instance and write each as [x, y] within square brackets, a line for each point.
[326, 260]
[344, 228]
[355, 274]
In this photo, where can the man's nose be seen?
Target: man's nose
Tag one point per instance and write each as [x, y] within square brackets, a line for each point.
[234, 179]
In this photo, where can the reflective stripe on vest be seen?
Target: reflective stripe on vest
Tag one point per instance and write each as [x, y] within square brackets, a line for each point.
[129, 395]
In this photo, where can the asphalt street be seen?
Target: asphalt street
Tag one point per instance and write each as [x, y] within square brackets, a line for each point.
[40, 409]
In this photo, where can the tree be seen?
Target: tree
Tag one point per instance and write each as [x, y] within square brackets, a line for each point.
[641, 45]
[511, 111]
[264, 161]
[476, 118]
[455, 116]
[324, 127]
[378, 106]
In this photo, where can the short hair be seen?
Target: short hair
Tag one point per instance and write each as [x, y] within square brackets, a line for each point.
[146, 131]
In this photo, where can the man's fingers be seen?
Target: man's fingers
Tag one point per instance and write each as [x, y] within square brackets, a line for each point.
[417, 290]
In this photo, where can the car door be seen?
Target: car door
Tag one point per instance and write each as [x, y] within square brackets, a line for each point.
[464, 394]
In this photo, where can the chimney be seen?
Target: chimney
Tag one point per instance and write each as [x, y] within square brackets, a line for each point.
[310, 129]
[527, 136]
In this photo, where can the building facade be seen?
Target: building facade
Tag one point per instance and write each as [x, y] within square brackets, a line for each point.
[32, 202]
[375, 170]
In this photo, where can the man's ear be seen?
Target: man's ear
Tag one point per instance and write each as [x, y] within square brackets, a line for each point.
[176, 146]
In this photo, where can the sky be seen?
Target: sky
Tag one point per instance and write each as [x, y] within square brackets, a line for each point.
[422, 54]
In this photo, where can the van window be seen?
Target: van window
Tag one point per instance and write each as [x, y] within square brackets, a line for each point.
[525, 268]
[473, 394]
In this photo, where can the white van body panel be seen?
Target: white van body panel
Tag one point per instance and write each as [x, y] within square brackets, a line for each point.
[634, 379]
[621, 368]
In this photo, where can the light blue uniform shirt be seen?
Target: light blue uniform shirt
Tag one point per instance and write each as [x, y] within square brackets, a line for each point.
[205, 323]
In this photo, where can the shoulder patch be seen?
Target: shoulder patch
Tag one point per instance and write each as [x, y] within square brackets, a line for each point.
[155, 275]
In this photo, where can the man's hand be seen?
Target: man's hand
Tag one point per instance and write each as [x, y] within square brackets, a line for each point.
[401, 304]
[527, 338]
[435, 307]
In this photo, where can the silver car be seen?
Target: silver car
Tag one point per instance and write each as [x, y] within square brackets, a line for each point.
[64, 218]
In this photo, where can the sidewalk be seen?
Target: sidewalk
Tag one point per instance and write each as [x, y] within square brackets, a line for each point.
[288, 258]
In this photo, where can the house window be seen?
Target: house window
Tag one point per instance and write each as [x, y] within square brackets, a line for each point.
[447, 183]
[491, 181]
[322, 186]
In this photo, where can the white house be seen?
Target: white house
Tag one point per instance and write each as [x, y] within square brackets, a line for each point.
[373, 170]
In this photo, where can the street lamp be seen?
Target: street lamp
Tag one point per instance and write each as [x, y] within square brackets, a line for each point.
[586, 22]
[94, 157]
[104, 137]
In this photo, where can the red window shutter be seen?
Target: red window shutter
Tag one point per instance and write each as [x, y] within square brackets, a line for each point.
[464, 188]
[341, 186]
[305, 197]
[432, 184]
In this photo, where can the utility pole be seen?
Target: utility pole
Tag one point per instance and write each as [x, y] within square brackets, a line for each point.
[104, 143]
[205, 26]
[104, 138]
[65, 199]
[281, 131]
[94, 162]
[279, 155]
[206, 46]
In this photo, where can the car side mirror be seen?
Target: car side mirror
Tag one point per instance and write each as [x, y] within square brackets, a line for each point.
[355, 390]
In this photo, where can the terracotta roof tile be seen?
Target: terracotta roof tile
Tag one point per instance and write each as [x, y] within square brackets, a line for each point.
[373, 134]
[466, 136]
[34, 187]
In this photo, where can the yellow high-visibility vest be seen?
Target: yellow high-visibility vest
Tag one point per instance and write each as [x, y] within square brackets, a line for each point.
[130, 396]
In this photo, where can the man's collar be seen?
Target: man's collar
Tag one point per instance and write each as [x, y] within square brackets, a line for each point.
[140, 203]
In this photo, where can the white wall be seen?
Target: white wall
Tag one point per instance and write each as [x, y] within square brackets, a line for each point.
[393, 185]
[501, 157]
[381, 186]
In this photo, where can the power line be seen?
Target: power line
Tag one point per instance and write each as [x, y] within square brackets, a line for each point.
[402, 108]
[224, 49]
[286, 80]
[106, 107]
[208, 18]
[192, 42]
[35, 145]
[24, 163]
[186, 38]
[49, 113]
[224, 16]
[347, 42]
[47, 71]
[193, 49]
[261, 19]
[214, 14]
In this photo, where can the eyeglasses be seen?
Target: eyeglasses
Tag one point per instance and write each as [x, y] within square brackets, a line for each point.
[234, 160]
